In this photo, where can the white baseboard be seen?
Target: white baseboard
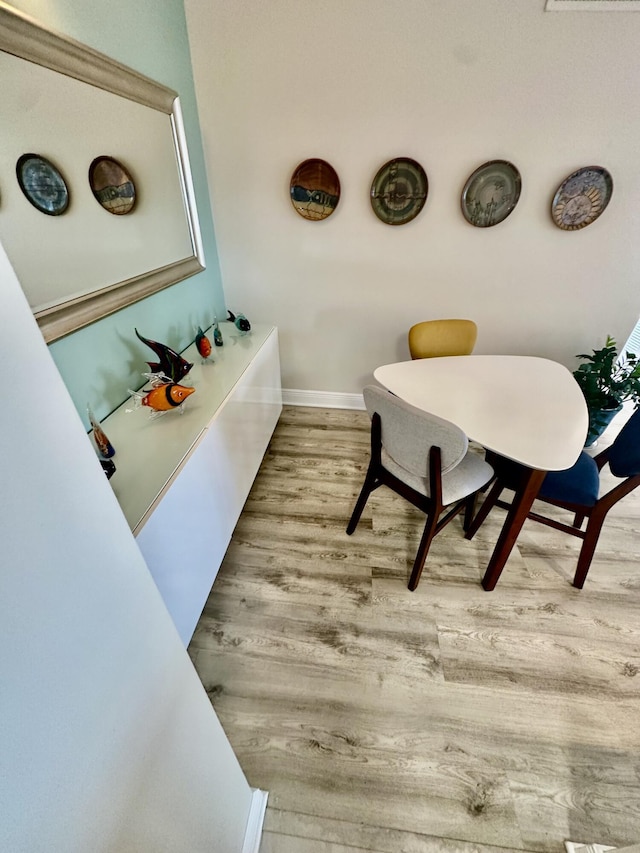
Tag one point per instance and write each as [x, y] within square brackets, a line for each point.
[253, 833]
[322, 399]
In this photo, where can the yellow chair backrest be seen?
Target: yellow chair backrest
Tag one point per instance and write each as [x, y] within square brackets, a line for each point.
[442, 337]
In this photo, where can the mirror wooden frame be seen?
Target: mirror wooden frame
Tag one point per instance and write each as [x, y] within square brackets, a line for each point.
[26, 38]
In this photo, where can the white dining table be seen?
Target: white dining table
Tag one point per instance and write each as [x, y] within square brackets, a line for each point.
[527, 409]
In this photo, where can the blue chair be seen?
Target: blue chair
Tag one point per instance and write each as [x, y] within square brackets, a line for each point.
[424, 458]
[576, 489]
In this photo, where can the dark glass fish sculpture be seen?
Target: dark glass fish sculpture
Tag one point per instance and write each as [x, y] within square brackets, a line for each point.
[203, 344]
[217, 334]
[107, 450]
[171, 363]
[241, 322]
[109, 467]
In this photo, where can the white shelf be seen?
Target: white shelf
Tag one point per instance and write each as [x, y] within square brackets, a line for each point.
[151, 451]
[182, 479]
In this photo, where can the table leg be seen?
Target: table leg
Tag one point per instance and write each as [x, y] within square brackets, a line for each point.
[522, 501]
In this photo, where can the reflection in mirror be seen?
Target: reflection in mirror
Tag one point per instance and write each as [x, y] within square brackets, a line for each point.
[72, 104]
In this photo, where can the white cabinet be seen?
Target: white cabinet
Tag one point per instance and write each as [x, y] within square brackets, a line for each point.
[182, 479]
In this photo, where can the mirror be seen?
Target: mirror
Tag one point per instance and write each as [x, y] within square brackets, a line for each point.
[69, 105]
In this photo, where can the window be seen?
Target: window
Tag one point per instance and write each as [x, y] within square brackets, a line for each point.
[633, 341]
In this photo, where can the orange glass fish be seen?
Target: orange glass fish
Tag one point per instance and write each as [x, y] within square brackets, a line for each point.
[166, 397]
[163, 396]
[203, 344]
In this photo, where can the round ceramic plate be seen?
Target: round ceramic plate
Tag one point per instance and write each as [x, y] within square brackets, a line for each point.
[42, 184]
[581, 198]
[112, 185]
[491, 193]
[315, 189]
[399, 191]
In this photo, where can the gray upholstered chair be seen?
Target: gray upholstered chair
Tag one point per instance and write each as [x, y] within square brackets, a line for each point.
[423, 458]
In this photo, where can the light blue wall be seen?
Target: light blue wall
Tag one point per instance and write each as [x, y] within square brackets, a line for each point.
[100, 362]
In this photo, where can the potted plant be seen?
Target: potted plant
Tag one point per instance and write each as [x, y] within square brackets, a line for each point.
[607, 381]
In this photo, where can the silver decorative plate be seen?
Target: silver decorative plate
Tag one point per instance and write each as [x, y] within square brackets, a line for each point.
[491, 193]
[581, 198]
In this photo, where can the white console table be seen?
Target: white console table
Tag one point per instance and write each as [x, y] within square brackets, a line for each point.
[182, 479]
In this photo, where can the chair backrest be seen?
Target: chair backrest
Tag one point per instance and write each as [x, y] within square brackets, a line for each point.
[624, 453]
[442, 337]
[408, 434]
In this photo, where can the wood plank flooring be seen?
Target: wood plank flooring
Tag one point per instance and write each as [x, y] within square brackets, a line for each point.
[448, 720]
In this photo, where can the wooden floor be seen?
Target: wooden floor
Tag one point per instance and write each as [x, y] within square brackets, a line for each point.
[449, 719]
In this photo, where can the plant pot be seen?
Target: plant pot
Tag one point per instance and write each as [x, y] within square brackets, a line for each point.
[598, 422]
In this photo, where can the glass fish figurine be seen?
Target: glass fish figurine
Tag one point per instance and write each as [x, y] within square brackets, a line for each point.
[171, 363]
[102, 442]
[163, 396]
[203, 344]
[240, 321]
[109, 467]
[217, 334]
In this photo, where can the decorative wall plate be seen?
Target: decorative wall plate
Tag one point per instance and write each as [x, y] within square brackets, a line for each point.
[399, 191]
[581, 198]
[491, 193]
[42, 184]
[112, 185]
[315, 189]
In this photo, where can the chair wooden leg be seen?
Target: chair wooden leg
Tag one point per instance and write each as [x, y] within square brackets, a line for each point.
[469, 511]
[423, 549]
[367, 487]
[594, 526]
[487, 505]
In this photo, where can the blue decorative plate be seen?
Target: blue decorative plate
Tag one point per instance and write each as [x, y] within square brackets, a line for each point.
[399, 191]
[42, 184]
[491, 193]
[581, 198]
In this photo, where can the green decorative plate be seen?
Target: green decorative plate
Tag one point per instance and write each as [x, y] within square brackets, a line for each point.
[491, 193]
[399, 191]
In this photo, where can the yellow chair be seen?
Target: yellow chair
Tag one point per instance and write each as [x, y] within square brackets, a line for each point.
[442, 337]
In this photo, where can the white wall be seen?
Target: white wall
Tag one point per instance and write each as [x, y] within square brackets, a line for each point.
[452, 84]
[108, 741]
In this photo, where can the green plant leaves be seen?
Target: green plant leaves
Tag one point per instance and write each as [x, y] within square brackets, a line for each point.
[606, 380]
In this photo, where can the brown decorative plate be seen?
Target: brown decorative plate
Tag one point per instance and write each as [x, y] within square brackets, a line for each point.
[399, 191]
[581, 198]
[315, 189]
[112, 185]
